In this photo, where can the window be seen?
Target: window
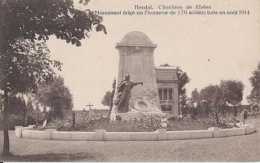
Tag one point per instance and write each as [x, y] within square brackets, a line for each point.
[170, 93]
[165, 92]
[160, 94]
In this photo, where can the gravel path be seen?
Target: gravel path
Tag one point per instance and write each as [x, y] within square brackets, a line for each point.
[239, 148]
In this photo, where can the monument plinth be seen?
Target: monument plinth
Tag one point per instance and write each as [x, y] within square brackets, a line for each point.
[136, 60]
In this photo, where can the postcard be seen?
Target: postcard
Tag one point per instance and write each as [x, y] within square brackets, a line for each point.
[129, 80]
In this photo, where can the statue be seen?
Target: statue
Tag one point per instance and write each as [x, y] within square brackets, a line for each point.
[124, 94]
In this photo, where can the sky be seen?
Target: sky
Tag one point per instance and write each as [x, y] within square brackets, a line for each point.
[208, 48]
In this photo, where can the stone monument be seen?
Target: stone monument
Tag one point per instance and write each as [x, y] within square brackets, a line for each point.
[136, 59]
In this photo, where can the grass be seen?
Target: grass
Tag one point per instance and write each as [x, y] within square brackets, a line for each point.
[141, 126]
[189, 124]
[237, 148]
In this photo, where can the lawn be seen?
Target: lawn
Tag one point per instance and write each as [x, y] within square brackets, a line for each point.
[238, 148]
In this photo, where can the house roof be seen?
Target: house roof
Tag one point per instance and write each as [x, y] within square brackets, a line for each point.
[166, 73]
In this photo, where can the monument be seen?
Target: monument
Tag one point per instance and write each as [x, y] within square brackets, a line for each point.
[136, 65]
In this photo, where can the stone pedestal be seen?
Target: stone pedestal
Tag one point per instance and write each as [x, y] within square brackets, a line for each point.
[136, 58]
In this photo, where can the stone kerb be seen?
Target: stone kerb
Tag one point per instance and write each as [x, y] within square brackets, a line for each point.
[131, 136]
[61, 135]
[192, 134]
[249, 129]
[34, 134]
[114, 136]
[228, 132]
[90, 136]
[143, 136]
[161, 134]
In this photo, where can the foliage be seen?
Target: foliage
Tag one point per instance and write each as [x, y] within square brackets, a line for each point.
[14, 120]
[24, 63]
[21, 113]
[232, 91]
[212, 95]
[17, 105]
[195, 96]
[107, 99]
[183, 103]
[183, 79]
[55, 95]
[214, 98]
[254, 97]
[140, 125]
[147, 124]
[38, 19]
[195, 103]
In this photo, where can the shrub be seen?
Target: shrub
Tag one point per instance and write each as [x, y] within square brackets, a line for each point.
[15, 120]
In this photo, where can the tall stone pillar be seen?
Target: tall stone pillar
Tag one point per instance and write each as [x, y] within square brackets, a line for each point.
[136, 58]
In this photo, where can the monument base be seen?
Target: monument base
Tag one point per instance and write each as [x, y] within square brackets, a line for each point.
[140, 110]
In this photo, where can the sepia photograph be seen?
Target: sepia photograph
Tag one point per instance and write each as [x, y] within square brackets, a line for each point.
[129, 81]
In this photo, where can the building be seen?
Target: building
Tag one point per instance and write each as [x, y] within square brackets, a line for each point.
[167, 83]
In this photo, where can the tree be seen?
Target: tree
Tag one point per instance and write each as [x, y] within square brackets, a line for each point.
[55, 95]
[212, 95]
[107, 98]
[254, 97]
[17, 105]
[183, 102]
[183, 79]
[232, 91]
[17, 108]
[32, 20]
[195, 96]
[195, 99]
[25, 66]
[38, 19]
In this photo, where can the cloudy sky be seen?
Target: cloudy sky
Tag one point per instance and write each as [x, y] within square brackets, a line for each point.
[208, 48]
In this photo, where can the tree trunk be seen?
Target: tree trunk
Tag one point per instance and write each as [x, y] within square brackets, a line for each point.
[6, 148]
[3, 46]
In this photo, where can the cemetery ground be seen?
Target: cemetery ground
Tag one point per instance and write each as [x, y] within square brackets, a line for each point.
[238, 148]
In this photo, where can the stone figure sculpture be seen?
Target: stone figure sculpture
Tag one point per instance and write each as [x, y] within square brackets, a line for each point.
[124, 94]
